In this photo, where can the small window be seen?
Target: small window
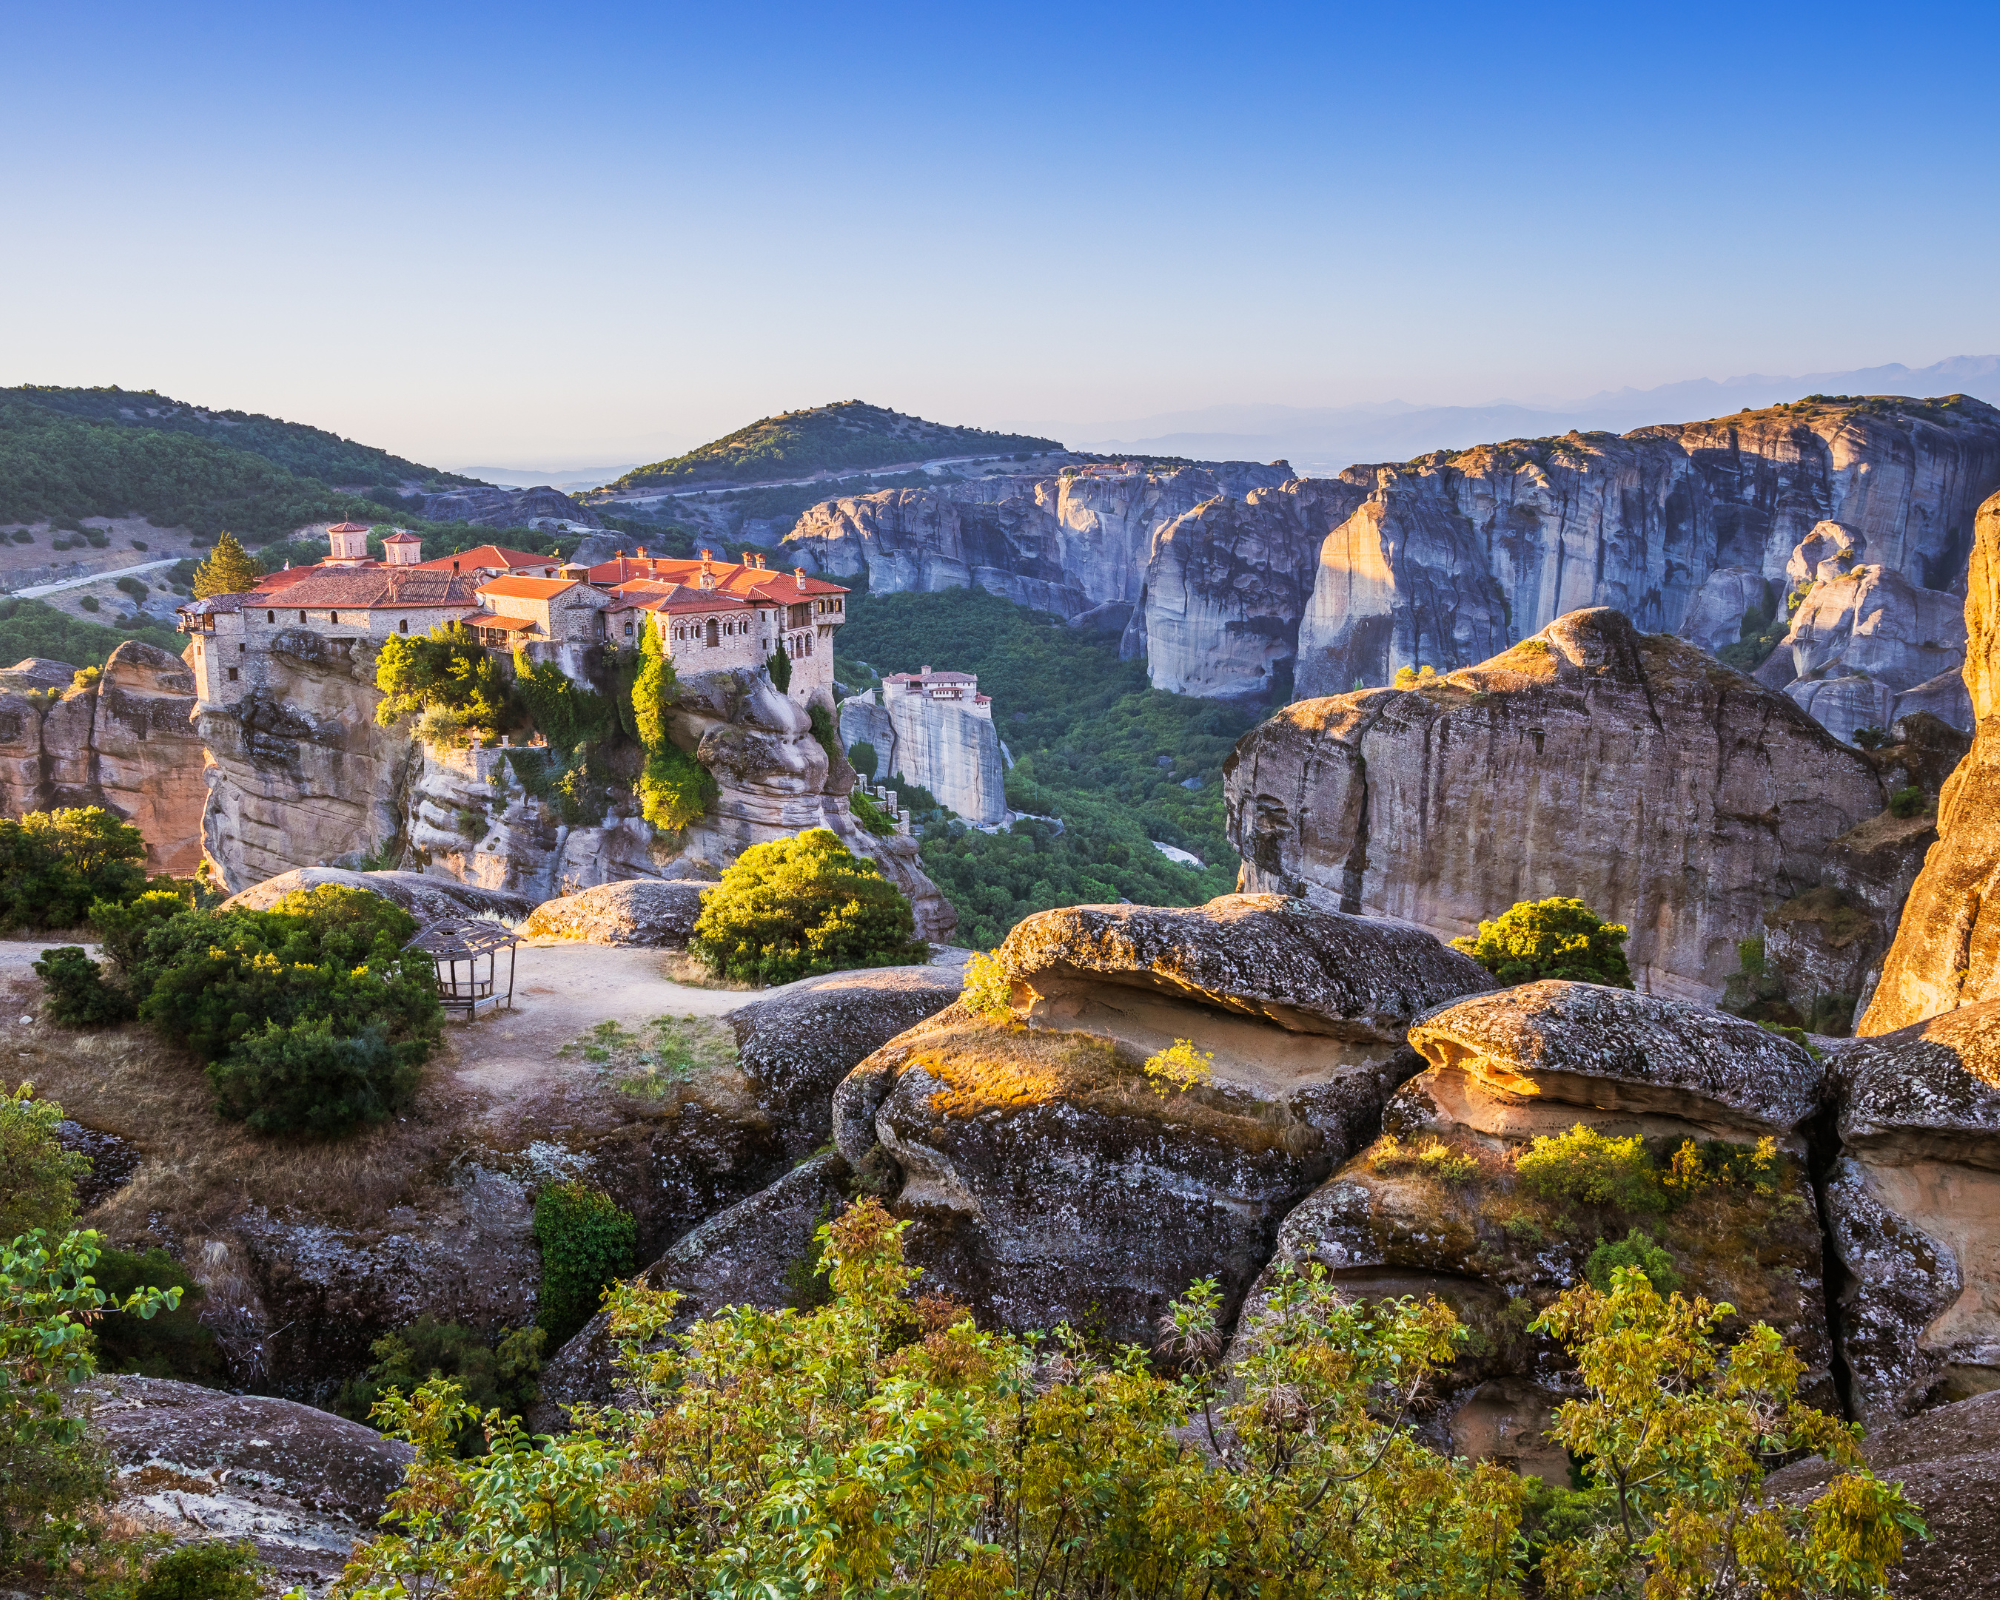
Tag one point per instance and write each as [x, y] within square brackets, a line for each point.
[241, 648]
[403, 626]
[232, 674]
[270, 616]
[333, 617]
[302, 616]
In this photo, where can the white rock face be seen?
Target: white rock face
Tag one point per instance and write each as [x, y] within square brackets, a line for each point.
[1874, 620]
[1715, 616]
[1842, 705]
[950, 747]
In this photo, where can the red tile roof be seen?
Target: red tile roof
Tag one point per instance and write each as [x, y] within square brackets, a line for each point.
[401, 536]
[371, 588]
[347, 527]
[491, 555]
[271, 582]
[515, 588]
[486, 619]
[731, 577]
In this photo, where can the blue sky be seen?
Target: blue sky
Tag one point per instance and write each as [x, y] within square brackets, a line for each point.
[501, 233]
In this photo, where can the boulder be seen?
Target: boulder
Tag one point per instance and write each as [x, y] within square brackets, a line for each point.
[1913, 1211]
[1948, 1462]
[753, 1254]
[1845, 704]
[1726, 596]
[302, 1485]
[1947, 948]
[1827, 552]
[1874, 622]
[423, 896]
[1944, 697]
[1051, 1180]
[654, 912]
[1436, 1205]
[1634, 772]
[37, 672]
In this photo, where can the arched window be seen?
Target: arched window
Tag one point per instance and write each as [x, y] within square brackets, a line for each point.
[333, 618]
[270, 616]
[403, 626]
[714, 633]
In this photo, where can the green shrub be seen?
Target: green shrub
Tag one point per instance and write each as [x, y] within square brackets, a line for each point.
[1637, 1249]
[36, 628]
[310, 1077]
[90, 603]
[172, 1344]
[53, 864]
[1410, 677]
[870, 815]
[1910, 802]
[492, 1376]
[1584, 1166]
[569, 715]
[862, 758]
[38, 1176]
[1556, 938]
[78, 996]
[780, 667]
[1871, 738]
[1179, 1067]
[586, 1243]
[800, 906]
[449, 668]
[211, 1570]
[122, 926]
[675, 789]
[985, 987]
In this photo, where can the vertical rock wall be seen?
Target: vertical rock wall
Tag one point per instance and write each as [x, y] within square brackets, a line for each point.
[946, 746]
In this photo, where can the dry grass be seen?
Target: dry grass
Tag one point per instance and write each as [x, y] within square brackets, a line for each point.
[677, 966]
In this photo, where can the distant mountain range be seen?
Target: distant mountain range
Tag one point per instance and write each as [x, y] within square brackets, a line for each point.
[1321, 440]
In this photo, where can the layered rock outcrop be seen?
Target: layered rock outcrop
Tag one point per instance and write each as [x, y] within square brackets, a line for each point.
[1947, 949]
[1631, 771]
[949, 747]
[1913, 1208]
[1436, 1206]
[1053, 1181]
[124, 742]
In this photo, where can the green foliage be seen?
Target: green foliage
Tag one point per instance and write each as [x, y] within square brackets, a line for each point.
[1639, 1251]
[1871, 738]
[51, 1471]
[54, 864]
[122, 926]
[228, 570]
[780, 667]
[37, 1175]
[1556, 938]
[492, 1376]
[135, 587]
[985, 987]
[1584, 1166]
[213, 1569]
[824, 734]
[1675, 1436]
[873, 1442]
[1179, 1067]
[800, 906]
[655, 688]
[171, 1344]
[586, 1243]
[78, 996]
[796, 444]
[1410, 677]
[306, 451]
[675, 789]
[572, 717]
[1910, 802]
[863, 759]
[90, 603]
[307, 1016]
[651, 1062]
[1785, 1030]
[870, 815]
[35, 628]
[1758, 635]
[806, 1274]
[448, 668]
[1432, 1158]
[1087, 734]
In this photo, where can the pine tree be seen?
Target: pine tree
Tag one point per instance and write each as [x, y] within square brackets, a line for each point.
[780, 668]
[228, 569]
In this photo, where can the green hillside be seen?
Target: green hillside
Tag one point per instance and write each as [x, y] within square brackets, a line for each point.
[846, 434]
[306, 451]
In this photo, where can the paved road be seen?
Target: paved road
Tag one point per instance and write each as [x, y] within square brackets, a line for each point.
[41, 589]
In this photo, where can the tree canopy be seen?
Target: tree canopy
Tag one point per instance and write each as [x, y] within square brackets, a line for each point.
[228, 569]
[1556, 938]
[804, 905]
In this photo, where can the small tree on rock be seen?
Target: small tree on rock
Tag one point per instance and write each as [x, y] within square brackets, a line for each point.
[1556, 938]
[229, 569]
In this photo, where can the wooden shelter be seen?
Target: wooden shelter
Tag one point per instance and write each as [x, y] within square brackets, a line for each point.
[457, 947]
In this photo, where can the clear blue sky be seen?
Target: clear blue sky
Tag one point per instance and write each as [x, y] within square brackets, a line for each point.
[505, 233]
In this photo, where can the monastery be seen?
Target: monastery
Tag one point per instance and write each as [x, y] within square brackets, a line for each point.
[710, 615]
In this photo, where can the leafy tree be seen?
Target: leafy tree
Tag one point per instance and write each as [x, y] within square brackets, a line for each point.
[173, 1344]
[1556, 938]
[985, 988]
[674, 788]
[212, 1569]
[54, 864]
[37, 1175]
[1584, 1166]
[1179, 1067]
[228, 569]
[799, 906]
[586, 1243]
[490, 1375]
[1675, 1439]
[863, 758]
[78, 996]
[448, 667]
[1638, 1250]
[780, 668]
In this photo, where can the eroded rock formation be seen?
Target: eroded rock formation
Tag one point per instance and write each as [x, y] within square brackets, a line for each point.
[653, 912]
[1631, 771]
[949, 747]
[125, 742]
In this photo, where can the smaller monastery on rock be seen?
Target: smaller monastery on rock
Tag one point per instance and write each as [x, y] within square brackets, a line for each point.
[709, 615]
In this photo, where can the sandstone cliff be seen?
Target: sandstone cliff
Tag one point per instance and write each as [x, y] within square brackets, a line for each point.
[125, 742]
[1633, 772]
[948, 746]
[1947, 950]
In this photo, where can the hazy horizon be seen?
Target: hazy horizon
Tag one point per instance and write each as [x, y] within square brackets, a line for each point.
[480, 235]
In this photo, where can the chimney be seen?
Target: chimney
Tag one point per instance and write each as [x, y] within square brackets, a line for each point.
[746, 558]
[642, 552]
[705, 555]
[799, 576]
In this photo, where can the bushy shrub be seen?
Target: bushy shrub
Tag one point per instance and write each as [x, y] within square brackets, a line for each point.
[1179, 1067]
[215, 1569]
[1909, 802]
[800, 906]
[570, 716]
[1638, 1249]
[312, 1077]
[1556, 938]
[172, 1344]
[1432, 1158]
[449, 668]
[870, 815]
[675, 789]
[863, 758]
[492, 1376]
[985, 987]
[78, 996]
[38, 1176]
[586, 1243]
[779, 665]
[1410, 677]
[1585, 1167]
[53, 864]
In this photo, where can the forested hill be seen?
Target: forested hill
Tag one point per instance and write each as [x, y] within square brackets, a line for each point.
[300, 449]
[796, 444]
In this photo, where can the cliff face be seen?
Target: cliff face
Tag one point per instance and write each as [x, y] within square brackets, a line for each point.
[126, 743]
[1635, 773]
[1947, 949]
[944, 745]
